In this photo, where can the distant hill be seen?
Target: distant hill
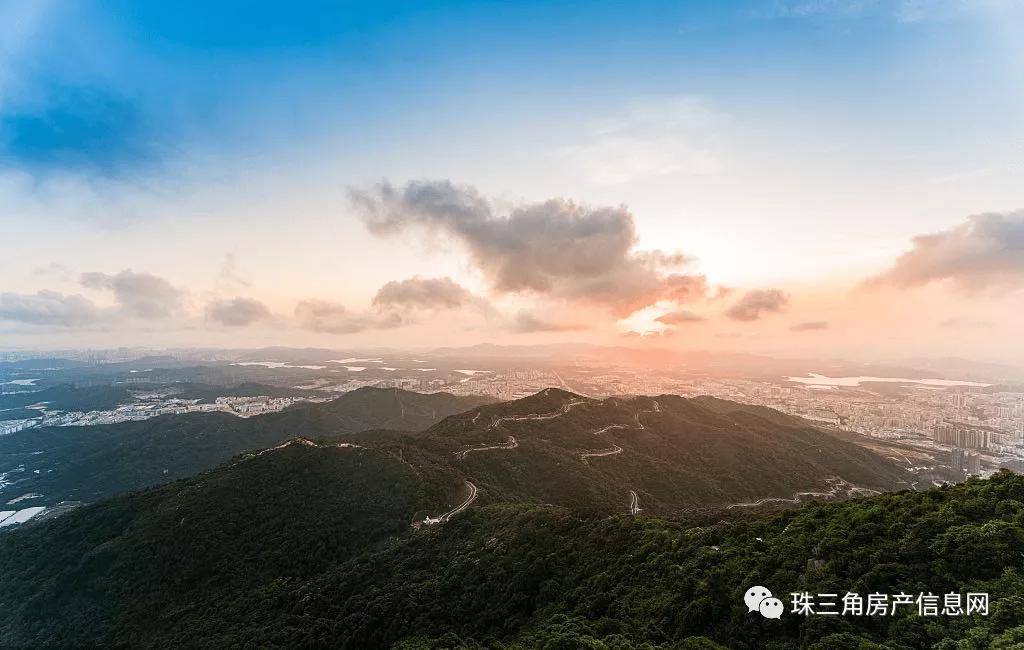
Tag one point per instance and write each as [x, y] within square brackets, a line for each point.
[207, 393]
[90, 463]
[67, 397]
[310, 544]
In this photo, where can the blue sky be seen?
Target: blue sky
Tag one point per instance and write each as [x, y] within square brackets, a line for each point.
[213, 76]
[792, 143]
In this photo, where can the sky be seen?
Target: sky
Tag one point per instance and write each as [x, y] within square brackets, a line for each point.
[840, 178]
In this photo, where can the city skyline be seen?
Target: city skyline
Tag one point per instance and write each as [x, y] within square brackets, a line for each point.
[420, 176]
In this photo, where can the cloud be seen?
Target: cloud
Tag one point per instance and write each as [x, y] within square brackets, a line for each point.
[679, 317]
[729, 335]
[49, 308]
[237, 312]
[557, 248]
[905, 11]
[808, 8]
[677, 135]
[426, 293]
[525, 322]
[650, 335]
[139, 295]
[54, 270]
[77, 130]
[334, 318]
[228, 277]
[985, 252]
[756, 303]
[809, 326]
[966, 322]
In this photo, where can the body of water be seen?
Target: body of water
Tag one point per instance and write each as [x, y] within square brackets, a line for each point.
[814, 379]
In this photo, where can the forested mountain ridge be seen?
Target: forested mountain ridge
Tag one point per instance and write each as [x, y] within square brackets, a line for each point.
[90, 463]
[310, 544]
[502, 512]
[678, 454]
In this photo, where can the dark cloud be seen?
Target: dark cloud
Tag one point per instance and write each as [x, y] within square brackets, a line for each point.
[556, 247]
[334, 318]
[756, 303]
[679, 317]
[984, 252]
[809, 326]
[237, 312]
[524, 322]
[140, 295]
[426, 293]
[49, 308]
[79, 130]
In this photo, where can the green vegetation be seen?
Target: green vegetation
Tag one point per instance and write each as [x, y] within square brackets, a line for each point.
[208, 394]
[307, 545]
[700, 453]
[67, 397]
[18, 414]
[321, 543]
[165, 558]
[90, 463]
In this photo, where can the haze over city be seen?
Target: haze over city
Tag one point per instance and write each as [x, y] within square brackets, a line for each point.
[826, 179]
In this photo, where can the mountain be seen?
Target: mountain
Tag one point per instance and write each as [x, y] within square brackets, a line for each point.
[309, 543]
[674, 453]
[965, 369]
[402, 410]
[265, 516]
[67, 397]
[89, 463]
[208, 394]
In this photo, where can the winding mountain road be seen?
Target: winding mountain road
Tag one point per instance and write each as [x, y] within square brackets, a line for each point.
[634, 503]
[511, 444]
[430, 521]
[604, 452]
[568, 406]
[609, 428]
[838, 487]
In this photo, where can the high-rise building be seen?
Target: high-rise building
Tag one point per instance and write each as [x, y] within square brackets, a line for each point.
[958, 462]
[973, 464]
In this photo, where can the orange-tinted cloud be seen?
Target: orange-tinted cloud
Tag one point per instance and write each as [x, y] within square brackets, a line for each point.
[237, 312]
[556, 247]
[757, 303]
[984, 252]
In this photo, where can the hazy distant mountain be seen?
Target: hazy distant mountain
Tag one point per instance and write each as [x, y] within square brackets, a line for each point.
[68, 398]
[965, 369]
[89, 463]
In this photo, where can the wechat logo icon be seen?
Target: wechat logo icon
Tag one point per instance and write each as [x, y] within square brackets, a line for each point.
[760, 599]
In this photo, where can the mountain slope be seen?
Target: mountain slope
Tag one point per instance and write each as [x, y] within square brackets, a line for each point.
[401, 410]
[157, 559]
[96, 462]
[310, 545]
[676, 454]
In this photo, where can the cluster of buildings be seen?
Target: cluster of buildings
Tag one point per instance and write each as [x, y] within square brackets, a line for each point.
[976, 429]
[153, 406]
